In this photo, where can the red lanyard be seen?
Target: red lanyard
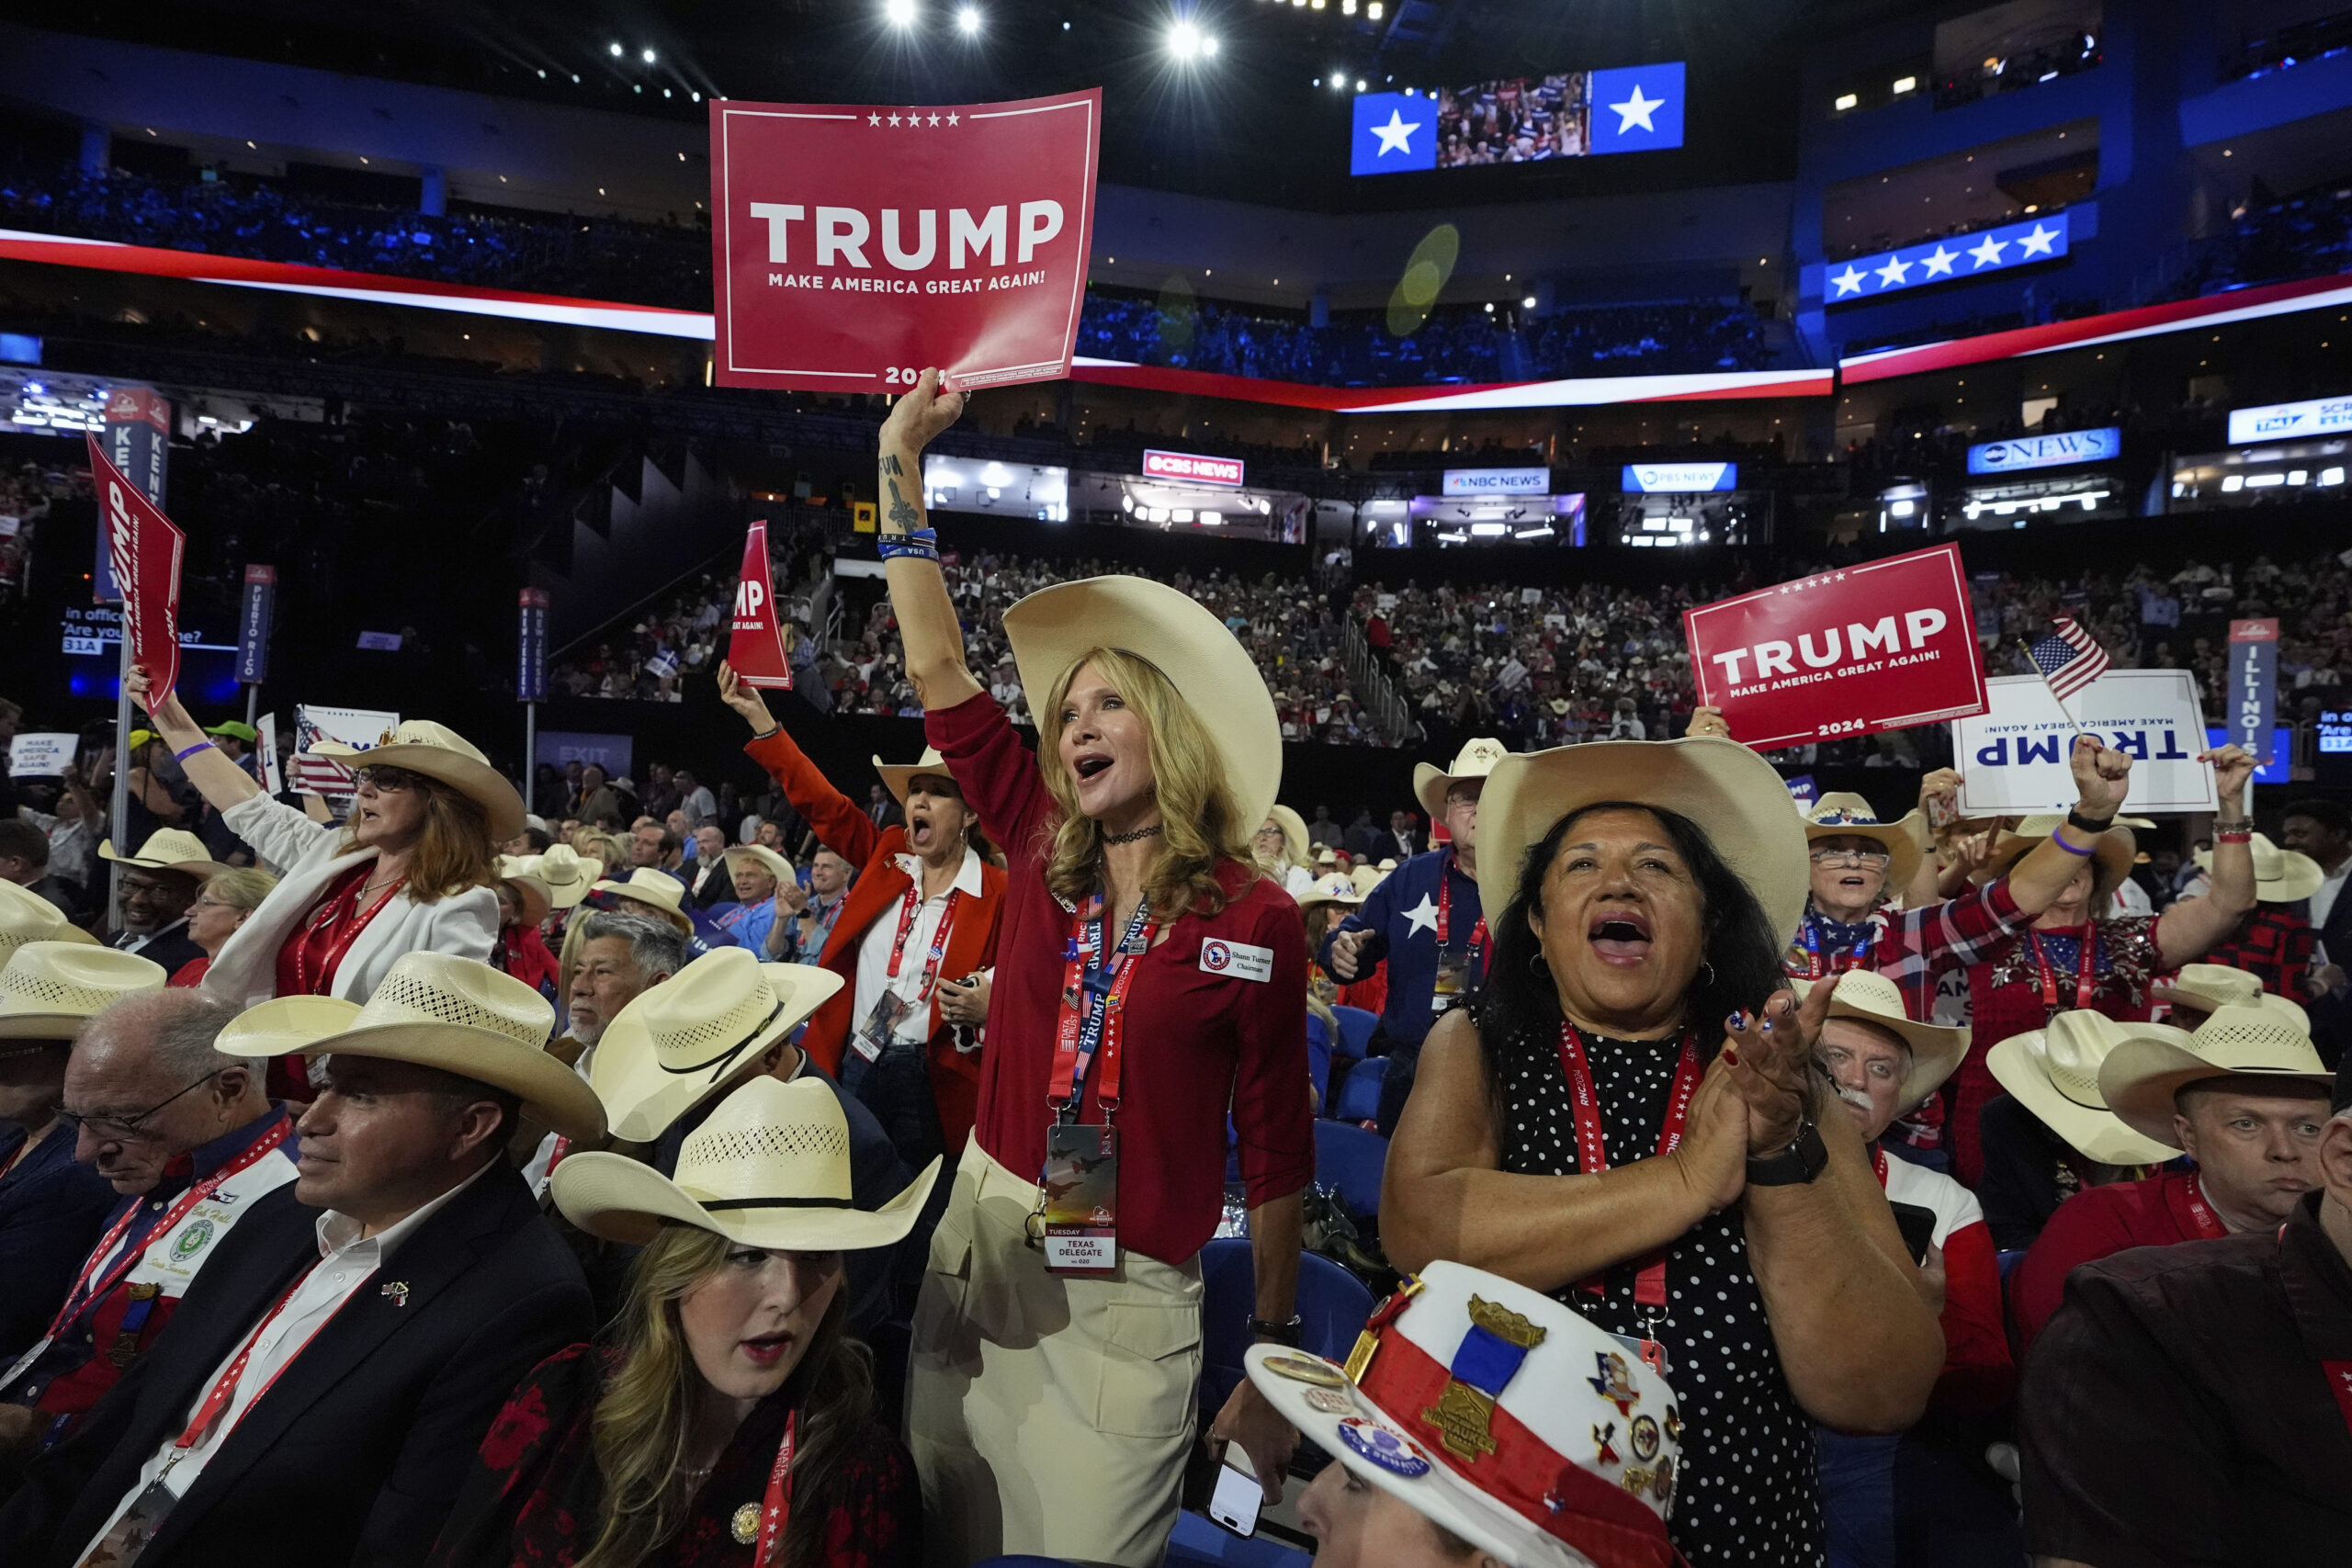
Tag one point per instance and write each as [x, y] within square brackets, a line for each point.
[2082, 981]
[76, 1297]
[1592, 1154]
[2209, 1225]
[908, 909]
[224, 1388]
[345, 904]
[778, 1507]
[1446, 911]
[1878, 1164]
[1081, 1031]
[2339, 1382]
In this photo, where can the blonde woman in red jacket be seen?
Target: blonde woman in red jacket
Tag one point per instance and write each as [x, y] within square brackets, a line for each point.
[903, 948]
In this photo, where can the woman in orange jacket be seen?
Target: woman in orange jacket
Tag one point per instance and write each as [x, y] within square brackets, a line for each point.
[916, 932]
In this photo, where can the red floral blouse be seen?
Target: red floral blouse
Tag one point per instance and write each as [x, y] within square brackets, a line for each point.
[535, 1496]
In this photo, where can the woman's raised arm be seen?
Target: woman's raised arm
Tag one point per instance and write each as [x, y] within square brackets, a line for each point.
[927, 623]
[221, 781]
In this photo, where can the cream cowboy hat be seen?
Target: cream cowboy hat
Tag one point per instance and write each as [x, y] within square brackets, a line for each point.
[523, 872]
[1841, 813]
[2054, 1073]
[2113, 856]
[568, 875]
[1582, 1465]
[1052, 628]
[2280, 876]
[897, 776]
[771, 1169]
[1387, 864]
[1294, 829]
[1477, 760]
[435, 1010]
[761, 855]
[439, 752]
[1734, 796]
[1871, 998]
[674, 1046]
[655, 890]
[27, 917]
[1328, 856]
[49, 989]
[2141, 1076]
[1333, 889]
[1366, 878]
[2210, 987]
[169, 849]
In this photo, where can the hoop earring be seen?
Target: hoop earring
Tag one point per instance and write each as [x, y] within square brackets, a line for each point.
[1536, 968]
[1710, 968]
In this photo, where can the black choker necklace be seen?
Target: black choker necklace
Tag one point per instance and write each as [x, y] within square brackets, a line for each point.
[1131, 837]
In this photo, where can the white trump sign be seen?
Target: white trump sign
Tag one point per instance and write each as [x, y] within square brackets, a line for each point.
[2013, 757]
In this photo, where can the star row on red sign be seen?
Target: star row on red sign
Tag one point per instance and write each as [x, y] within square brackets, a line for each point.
[912, 120]
[1803, 583]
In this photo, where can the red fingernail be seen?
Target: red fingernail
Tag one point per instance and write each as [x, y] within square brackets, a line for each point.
[1731, 1055]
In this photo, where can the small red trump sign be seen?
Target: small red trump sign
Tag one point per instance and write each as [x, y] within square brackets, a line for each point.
[855, 245]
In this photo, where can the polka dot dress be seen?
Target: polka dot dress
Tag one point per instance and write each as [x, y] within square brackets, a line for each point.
[1747, 1497]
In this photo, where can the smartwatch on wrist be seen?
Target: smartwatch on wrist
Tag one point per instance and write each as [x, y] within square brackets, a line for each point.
[1794, 1166]
[2091, 825]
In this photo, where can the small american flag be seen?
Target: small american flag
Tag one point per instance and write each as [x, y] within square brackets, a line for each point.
[2069, 658]
[321, 776]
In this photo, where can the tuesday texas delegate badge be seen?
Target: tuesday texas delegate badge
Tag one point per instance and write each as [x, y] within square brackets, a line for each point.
[1081, 1200]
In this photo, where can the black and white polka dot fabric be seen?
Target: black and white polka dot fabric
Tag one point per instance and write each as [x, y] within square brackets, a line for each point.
[1747, 1497]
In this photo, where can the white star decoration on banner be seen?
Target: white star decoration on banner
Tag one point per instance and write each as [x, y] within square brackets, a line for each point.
[1850, 280]
[1938, 263]
[2037, 244]
[1397, 135]
[1895, 272]
[1422, 914]
[1636, 110]
[1989, 253]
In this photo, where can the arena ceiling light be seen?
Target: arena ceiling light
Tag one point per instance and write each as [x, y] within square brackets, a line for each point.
[1187, 42]
[616, 49]
[899, 13]
[967, 20]
[646, 56]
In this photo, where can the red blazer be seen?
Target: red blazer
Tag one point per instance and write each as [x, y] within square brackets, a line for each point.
[842, 826]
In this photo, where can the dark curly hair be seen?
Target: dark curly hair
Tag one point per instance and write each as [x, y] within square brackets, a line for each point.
[1519, 1009]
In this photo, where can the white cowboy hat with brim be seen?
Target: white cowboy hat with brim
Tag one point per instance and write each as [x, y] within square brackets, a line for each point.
[1366, 878]
[1581, 1469]
[434, 1010]
[770, 1170]
[567, 874]
[522, 872]
[50, 990]
[2113, 856]
[1333, 889]
[1477, 760]
[1328, 856]
[2209, 986]
[655, 890]
[761, 855]
[898, 776]
[677, 1043]
[169, 849]
[1387, 864]
[2053, 1072]
[1734, 795]
[1052, 628]
[1936, 1050]
[1841, 813]
[439, 752]
[2280, 876]
[26, 916]
[1294, 829]
[2141, 1077]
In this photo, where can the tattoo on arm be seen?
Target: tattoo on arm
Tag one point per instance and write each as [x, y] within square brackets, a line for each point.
[902, 511]
[891, 464]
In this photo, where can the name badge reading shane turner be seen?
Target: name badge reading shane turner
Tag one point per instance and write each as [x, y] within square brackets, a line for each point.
[1238, 959]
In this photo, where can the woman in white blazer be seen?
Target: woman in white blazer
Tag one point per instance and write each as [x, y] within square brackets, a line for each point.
[415, 868]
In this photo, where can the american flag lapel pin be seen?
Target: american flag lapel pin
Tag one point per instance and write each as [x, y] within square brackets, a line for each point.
[398, 1291]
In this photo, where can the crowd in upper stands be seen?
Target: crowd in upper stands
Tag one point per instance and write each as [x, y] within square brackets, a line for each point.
[26, 491]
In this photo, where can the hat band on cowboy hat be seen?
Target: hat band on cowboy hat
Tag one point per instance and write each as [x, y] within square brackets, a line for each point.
[1841, 813]
[2142, 1077]
[440, 753]
[675, 1046]
[1477, 760]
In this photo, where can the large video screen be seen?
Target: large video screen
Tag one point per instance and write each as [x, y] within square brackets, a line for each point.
[1519, 120]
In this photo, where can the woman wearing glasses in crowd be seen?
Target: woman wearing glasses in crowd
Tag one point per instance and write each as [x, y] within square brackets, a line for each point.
[412, 869]
[226, 901]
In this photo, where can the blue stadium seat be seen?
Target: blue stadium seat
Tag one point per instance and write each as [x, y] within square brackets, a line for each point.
[1318, 1059]
[1359, 1096]
[1355, 1030]
[1351, 1159]
[1332, 1307]
[2009, 1260]
[1195, 1540]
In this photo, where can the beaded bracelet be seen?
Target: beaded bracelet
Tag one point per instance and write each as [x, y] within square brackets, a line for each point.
[184, 756]
[2060, 839]
[2241, 836]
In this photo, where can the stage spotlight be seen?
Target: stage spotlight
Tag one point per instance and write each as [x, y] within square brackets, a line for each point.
[647, 57]
[967, 20]
[1360, 83]
[899, 13]
[1339, 82]
[1184, 39]
[1527, 302]
[616, 49]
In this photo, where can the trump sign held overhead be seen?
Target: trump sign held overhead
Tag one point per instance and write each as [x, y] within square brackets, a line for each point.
[2013, 757]
[144, 549]
[756, 646]
[852, 247]
[1883, 646]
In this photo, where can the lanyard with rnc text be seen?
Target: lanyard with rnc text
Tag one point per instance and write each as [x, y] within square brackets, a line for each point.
[777, 1510]
[908, 909]
[1592, 1155]
[1094, 993]
[1445, 875]
[2082, 982]
[224, 1388]
[1857, 957]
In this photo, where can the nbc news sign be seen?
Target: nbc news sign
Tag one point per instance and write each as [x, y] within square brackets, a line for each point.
[2320, 416]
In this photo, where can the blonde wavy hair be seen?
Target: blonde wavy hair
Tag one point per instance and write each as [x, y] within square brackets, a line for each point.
[1202, 821]
[642, 1421]
[455, 853]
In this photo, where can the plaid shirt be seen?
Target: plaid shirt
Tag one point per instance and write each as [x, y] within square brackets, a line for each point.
[2276, 947]
[1912, 947]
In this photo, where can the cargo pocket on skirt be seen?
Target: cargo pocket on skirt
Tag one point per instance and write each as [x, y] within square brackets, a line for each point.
[1148, 1368]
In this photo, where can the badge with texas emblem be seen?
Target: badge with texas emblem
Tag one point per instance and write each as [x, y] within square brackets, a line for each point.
[1615, 1381]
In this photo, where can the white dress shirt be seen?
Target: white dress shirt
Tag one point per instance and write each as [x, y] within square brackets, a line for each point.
[346, 1263]
[874, 952]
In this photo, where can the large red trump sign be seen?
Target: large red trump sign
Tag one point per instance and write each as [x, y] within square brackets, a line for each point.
[1883, 646]
[144, 549]
[853, 246]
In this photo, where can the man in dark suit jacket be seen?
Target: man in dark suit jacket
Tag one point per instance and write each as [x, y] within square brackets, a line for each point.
[709, 884]
[385, 1303]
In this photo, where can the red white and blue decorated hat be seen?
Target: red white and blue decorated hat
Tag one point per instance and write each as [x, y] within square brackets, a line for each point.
[1500, 1415]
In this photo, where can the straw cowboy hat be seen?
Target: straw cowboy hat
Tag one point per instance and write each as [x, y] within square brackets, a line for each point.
[439, 752]
[1333, 889]
[1294, 829]
[761, 855]
[770, 1170]
[49, 989]
[27, 917]
[2054, 1073]
[2141, 1076]
[169, 849]
[670, 1048]
[522, 872]
[1052, 628]
[2280, 876]
[2210, 986]
[1477, 760]
[897, 776]
[1734, 796]
[567, 875]
[1936, 1050]
[2112, 858]
[435, 1010]
[1328, 856]
[1841, 813]
[1550, 1445]
[1366, 878]
[655, 890]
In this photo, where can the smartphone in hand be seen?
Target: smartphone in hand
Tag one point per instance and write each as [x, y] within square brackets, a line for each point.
[1234, 1504]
